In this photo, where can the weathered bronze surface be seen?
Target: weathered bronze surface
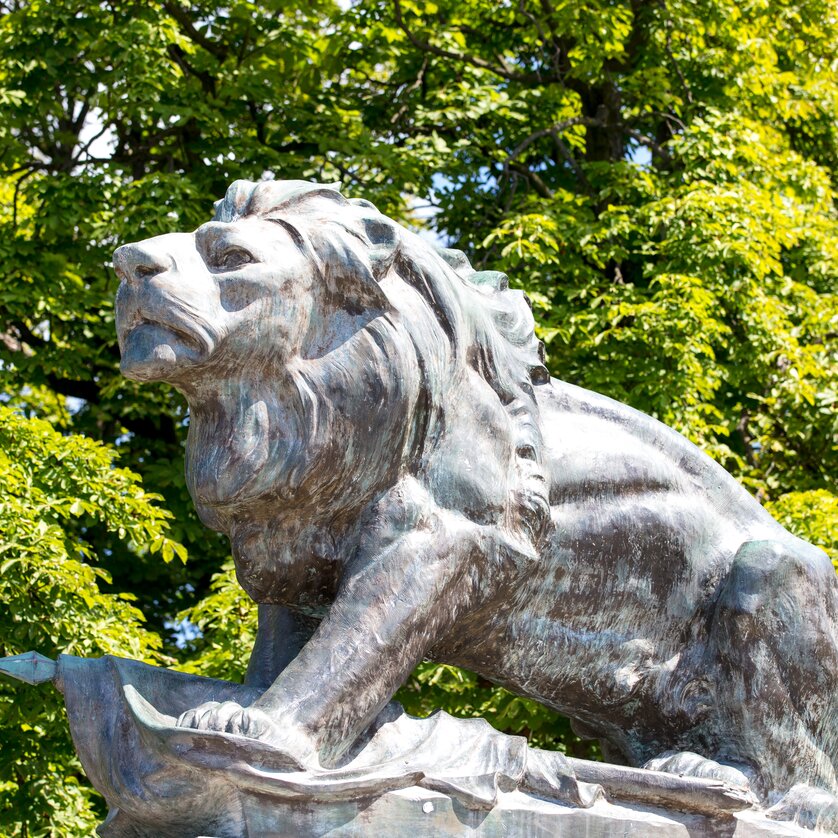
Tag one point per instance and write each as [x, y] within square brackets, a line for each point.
[372, 425]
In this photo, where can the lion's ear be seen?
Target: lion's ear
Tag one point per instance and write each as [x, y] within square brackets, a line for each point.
[384, 238]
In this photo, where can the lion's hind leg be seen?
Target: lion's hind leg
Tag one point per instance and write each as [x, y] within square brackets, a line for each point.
[688, 764]
[774, 648]
[809, 807]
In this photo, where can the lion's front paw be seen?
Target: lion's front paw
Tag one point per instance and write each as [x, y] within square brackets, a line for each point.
[229, 717]
[253, 723]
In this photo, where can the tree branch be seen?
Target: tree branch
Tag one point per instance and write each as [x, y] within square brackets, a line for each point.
[86, 390]
[182, 17]
[567, 155]
[538, 184]
[417, 83]
[645, 139]
[506, 72]
[550, 129]
[178, 55]
[84, 149]
[16, 194]
[688, 94]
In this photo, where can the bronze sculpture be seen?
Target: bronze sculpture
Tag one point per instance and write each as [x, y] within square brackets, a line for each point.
[373, 426]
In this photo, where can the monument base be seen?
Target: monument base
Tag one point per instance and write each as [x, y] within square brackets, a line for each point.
[419, 813]
[410, 778]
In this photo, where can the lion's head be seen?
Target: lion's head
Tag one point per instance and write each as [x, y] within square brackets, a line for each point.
[319, 345]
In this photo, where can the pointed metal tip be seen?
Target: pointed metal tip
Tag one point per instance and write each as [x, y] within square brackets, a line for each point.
[30, 667]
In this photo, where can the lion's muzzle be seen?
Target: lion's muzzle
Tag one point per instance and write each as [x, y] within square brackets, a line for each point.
[165, 300]
[135, 263]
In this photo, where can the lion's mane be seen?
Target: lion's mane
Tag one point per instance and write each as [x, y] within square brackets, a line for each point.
[479, 322]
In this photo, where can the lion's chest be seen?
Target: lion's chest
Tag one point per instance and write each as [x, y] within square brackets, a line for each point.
[236, 450]
[281, 562]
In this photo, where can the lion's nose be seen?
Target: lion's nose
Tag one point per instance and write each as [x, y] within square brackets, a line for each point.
[137, 262]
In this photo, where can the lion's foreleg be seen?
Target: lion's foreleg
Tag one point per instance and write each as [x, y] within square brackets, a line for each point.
[394, 605]
[280, 636]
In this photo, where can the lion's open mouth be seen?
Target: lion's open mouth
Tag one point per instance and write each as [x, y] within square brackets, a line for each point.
[186, 337]
[154, 349]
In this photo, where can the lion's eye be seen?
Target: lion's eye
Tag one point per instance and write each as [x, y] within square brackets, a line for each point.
[232, 258]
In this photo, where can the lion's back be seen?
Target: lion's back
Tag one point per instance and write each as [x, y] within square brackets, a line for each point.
[598, 449]
[643, 526]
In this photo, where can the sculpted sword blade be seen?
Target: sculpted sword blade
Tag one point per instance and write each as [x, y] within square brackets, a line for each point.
[30, 667]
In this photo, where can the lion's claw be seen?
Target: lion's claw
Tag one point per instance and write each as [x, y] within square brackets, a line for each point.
[253, 723]
[227, 717]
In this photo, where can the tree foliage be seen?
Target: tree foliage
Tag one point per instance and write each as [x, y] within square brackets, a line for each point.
[55, 489]
[658, 176]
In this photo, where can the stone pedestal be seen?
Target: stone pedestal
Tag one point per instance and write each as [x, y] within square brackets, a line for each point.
[418, 813]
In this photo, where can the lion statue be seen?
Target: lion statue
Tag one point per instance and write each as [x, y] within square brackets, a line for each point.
[373, 426]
